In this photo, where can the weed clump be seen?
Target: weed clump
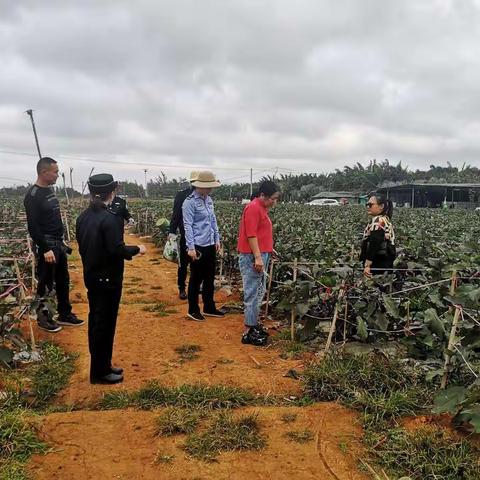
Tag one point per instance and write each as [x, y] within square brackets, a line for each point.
[160, 308]
[18, 441]
[52, 374]
[226, 433]
[178, 420]
[382, 388]
[154, 395]
[300, 436]
[426, 454]
[289, 417]
[188, 352]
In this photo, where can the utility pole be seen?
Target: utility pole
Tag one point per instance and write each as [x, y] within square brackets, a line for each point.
[30, 113]
[251, 182]
[146, 185]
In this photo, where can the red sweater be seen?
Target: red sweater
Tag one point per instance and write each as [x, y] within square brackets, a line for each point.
[255, 222]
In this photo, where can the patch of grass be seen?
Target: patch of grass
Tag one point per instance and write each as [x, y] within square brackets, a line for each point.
[226, 433]
[343, 446]
[175, 420]
[163, 458]
[425, 454]
[159, 308]
[383, 389]
[52, 374]
[293, 350]
[289, 417]
[13, 470]
[135, 279]
[18, 441]
[300, 436]
[188, 352]
[155, 287]
[289, 349]
[154, 395]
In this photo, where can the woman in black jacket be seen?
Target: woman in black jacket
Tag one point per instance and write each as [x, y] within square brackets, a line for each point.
[378, 246]
[103, 253]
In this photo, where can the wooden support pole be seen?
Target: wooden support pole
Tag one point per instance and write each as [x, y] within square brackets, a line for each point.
[335, 317]
[23, 297]
[451, 345]
[345, 323]
[32, 259]
[294, 308]
[67, 228]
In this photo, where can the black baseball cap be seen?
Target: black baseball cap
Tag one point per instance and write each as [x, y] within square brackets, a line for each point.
[102, 183]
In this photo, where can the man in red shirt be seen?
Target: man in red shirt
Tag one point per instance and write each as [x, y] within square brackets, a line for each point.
[255, 246]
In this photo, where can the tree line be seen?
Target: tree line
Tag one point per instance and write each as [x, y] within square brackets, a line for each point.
[298, 187]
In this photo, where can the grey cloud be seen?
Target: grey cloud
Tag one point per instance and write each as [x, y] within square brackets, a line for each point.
[315, 84]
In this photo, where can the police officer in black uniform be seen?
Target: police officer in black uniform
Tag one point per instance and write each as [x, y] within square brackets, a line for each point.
[120, 208]
[176, 223]
[46, 229]
[103, 254]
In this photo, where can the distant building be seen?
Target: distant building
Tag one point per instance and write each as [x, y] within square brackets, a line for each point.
[433, 195]
[342, 197]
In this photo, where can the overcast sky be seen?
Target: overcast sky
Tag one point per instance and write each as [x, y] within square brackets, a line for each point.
[237, 84]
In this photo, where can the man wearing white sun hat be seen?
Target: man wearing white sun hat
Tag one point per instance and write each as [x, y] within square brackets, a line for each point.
[203, 242]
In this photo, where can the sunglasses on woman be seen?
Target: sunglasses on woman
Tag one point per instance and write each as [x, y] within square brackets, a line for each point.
[369, 204]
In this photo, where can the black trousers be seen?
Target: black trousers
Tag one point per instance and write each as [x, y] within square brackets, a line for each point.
[102, 320]
[202, 270]
[182, 264]
[50, 274]
[382, 265]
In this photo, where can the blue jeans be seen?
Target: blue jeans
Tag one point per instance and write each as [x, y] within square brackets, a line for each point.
[254, 286]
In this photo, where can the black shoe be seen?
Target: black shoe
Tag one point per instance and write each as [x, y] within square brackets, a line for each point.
[197, 316]
[51, 327]
[260, 330]
[116, 370]
[109, 379]
[182, 294]
[71, 320]
[214, 313]
[45, 322]
[253, 337]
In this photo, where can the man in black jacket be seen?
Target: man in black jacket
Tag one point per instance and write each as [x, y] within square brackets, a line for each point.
[120, 208]
[176, 223]
[46, 229]
[103, 254]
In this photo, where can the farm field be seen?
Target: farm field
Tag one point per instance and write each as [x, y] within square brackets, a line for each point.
[304, 412]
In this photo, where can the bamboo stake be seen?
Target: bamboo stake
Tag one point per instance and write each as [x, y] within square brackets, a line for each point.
[345, 324]
[453, 284]
[451, 345]
[335, 316]
[270, 277]
[30, 252]
[23, 298]
[67, 228]
[294, 309]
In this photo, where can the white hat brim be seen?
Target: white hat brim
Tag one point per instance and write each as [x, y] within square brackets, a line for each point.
[200, 184]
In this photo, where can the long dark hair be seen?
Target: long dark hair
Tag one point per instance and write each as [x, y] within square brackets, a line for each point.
[268, 188]
[386, 202]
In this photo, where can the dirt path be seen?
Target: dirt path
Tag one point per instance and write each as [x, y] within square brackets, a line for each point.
[114, 445]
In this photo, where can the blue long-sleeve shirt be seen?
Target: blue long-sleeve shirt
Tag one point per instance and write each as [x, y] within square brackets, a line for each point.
[199, 221]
